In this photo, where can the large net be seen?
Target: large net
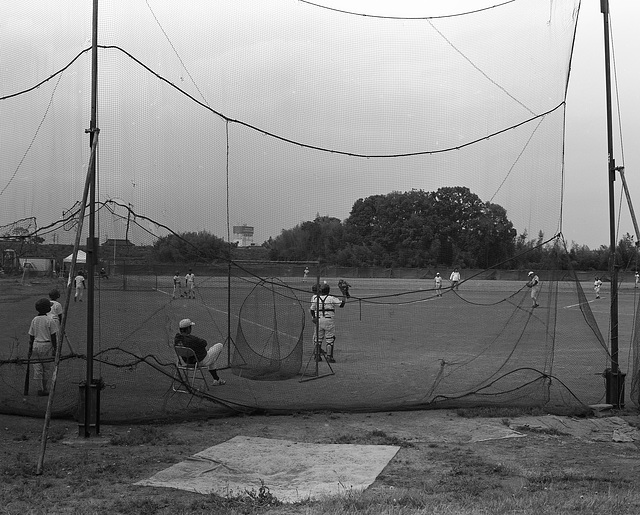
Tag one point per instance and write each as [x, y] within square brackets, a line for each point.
[245, 114]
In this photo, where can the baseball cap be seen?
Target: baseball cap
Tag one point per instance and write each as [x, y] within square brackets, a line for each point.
[530, 273]
[186, 322]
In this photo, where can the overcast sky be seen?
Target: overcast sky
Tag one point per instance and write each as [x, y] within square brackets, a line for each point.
[304, 73]
[586, 218]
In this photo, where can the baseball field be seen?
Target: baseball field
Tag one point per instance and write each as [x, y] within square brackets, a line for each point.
[398, 346]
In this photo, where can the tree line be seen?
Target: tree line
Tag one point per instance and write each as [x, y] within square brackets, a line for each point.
[416, 229]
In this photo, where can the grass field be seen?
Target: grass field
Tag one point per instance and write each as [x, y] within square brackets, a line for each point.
[390, 350]
[439, 468]
[398, 346]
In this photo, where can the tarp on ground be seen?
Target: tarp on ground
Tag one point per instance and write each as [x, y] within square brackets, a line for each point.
[292, 471]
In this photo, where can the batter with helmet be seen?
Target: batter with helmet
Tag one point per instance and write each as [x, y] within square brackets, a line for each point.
[323, 311]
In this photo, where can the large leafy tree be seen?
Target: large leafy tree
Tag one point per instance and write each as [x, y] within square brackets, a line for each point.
[449, 226]
[397, 227]
[190, 247]
[470, 231]
[322, 238]
[627, 252]
[405, 229]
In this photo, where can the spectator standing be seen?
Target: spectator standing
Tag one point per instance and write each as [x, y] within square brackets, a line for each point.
[43, 340]
[56, 307]
[454, 278]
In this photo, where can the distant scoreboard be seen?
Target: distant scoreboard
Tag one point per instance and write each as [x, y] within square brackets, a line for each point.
[243, 230]
[243, 235]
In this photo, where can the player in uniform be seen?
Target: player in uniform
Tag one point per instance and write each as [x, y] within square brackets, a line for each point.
[534, 284]
[190, 283]
[438, 282]
[80, 287]
[177, 286]
[597, 284]
[323, 312]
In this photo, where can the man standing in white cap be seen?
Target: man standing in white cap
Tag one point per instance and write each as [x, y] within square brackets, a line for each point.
[534, 284]
[206, 357]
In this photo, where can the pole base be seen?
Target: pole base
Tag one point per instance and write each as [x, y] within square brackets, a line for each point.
[615, 388]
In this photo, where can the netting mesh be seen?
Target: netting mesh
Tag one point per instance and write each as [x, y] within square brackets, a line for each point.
[211, 117]
[268, 344]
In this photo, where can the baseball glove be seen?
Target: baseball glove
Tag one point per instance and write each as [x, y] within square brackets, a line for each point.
[344, 288]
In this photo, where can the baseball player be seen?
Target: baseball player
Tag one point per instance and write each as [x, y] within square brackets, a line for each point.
[597, 284]
[177, 287]
[80, 287]
[190, 283]
[534, 284]
[438, 282]
[323, 311]
[637, 279]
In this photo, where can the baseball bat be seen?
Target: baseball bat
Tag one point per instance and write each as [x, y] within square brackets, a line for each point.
[26, 377]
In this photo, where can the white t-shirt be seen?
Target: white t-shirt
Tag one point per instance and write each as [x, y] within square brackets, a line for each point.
[56, 311]
[42, 327]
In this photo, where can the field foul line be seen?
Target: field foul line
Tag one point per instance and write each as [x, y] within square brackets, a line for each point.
[594, 310]
[578, 304]
[236, 317]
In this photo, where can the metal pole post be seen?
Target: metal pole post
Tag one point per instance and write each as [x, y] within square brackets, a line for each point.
[614, 390]
[89, 403]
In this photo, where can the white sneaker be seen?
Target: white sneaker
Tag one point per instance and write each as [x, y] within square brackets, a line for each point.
[219, 382]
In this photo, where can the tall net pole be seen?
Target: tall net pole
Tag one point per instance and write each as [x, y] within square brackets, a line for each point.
[613, 394]
[91, 246]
